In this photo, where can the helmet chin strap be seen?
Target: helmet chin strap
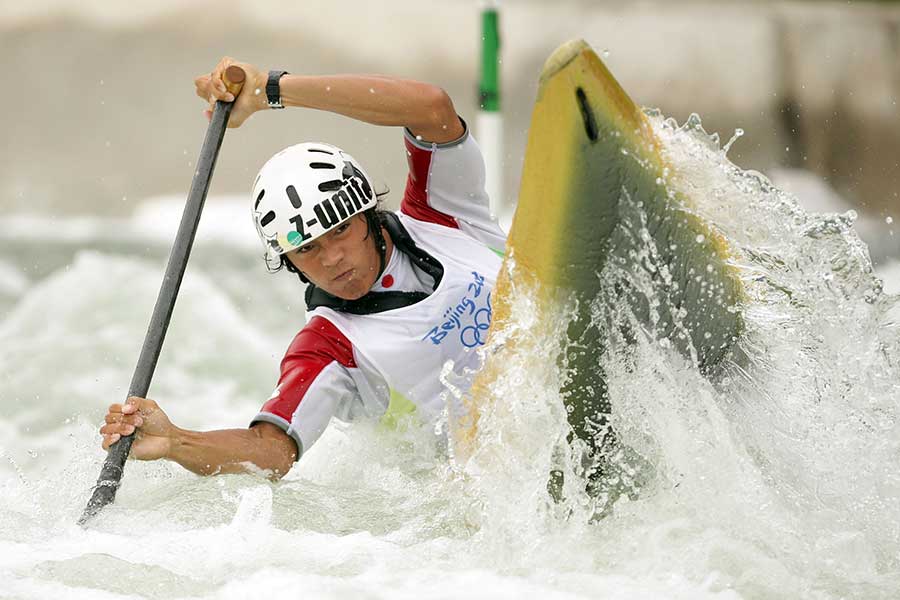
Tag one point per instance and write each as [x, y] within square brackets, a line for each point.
[373, 221]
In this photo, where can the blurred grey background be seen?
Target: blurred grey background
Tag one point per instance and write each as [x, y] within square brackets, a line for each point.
[99, 113]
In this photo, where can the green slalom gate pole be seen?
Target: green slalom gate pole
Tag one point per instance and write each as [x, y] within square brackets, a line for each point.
[489, 124]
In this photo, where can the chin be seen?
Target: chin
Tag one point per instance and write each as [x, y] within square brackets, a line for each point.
[352, 295]
[354, 291]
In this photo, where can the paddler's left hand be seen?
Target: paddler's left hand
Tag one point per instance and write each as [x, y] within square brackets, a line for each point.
[252, 98]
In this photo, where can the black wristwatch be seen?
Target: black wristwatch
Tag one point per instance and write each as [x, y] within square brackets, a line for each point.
[273, 89]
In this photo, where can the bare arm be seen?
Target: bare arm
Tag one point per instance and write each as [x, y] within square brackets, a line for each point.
[264, 446]
[425, 109]
[261, 447]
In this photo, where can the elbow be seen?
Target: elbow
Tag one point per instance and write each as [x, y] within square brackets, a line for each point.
[439, 111]
[282, 461]
[276, 452]
[276, 467]
[276, 473]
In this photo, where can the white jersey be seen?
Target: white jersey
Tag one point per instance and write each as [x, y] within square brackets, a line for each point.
[344, 365]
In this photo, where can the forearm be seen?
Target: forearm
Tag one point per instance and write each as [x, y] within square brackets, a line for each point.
[230, 451]
[370, 98]
[423, 108]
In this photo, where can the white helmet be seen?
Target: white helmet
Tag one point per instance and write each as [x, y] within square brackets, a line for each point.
[305, 191]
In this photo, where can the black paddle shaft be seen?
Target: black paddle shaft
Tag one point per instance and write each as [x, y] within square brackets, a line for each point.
[114, 465]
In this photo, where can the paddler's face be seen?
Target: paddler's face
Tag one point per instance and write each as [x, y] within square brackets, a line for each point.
[344, 262]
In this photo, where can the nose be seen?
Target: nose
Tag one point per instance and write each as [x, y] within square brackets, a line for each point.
[331, 254]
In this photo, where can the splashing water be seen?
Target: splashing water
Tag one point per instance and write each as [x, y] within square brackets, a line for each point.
[777, 478]
[780, 477]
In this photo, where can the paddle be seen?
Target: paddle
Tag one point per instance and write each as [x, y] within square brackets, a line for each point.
[111, 473]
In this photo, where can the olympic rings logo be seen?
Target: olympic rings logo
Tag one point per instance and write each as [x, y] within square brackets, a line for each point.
[473, 335]
[465, 311]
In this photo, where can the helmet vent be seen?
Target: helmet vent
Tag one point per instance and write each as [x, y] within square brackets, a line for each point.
[331, 186]
[323, 151]
[320, 165]
[293, 196]
[258, 198]
[267, 218]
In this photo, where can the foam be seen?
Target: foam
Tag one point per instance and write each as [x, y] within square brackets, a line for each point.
[225, 223]
[774, 482]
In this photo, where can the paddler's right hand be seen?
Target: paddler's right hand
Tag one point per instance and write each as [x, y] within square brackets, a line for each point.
[252, 98]
[155, 433]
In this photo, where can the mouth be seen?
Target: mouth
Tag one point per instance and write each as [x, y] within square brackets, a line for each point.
[344, 277]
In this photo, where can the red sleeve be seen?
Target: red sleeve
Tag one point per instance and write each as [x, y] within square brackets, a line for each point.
[318, 345]
[415, 196]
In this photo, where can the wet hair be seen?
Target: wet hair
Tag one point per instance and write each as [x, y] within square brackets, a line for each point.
[374, 219]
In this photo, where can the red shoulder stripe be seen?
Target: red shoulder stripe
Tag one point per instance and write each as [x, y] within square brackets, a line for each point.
[415, 197]
[317, 345]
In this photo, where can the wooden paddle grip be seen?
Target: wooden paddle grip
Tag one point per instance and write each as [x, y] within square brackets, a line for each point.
[234, 77]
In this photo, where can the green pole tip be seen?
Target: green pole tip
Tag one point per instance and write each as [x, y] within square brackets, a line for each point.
[489, 88]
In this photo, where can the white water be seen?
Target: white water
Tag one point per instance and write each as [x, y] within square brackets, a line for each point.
[780, 483]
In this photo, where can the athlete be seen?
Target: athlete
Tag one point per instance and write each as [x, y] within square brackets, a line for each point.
[391, 297]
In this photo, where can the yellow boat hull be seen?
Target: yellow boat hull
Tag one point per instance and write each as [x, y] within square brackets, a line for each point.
[593, 168]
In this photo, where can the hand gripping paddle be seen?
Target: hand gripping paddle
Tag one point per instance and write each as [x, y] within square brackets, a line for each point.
[111, 473]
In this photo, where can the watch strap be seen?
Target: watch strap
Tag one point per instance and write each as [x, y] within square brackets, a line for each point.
[273, 89]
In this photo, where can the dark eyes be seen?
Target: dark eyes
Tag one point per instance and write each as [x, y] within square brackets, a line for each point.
[311, 246]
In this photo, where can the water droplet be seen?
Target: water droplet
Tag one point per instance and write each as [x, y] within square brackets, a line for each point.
[889, 220]
[737, 134]
[700, 238]
[605, 53]
[327, 88]
[371, 90]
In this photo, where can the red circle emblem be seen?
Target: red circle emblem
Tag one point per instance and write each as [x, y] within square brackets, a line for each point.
[387, 281]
